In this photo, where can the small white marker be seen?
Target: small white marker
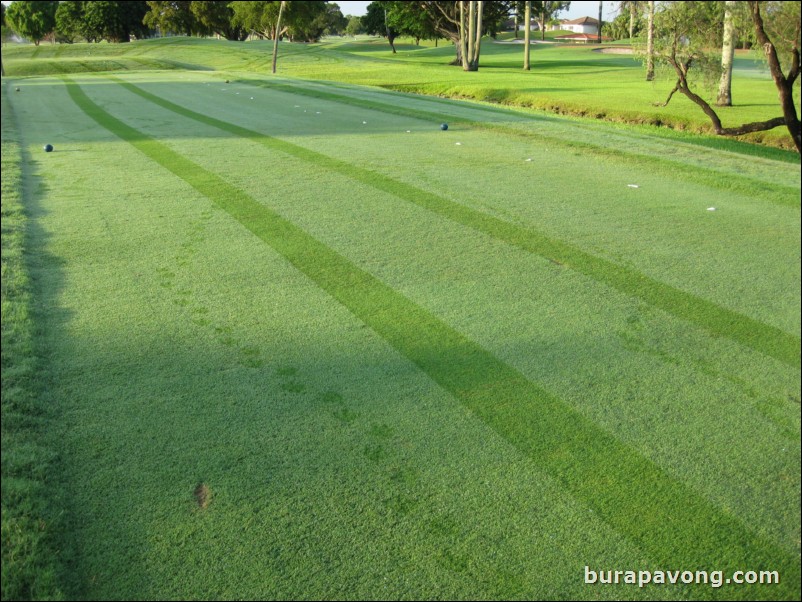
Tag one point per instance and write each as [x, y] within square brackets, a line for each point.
[633, 186]
[529, 159]
[408, 131]
[251, 97]
[364, 123]
[711, 208]
[458, 143]
[317, 112]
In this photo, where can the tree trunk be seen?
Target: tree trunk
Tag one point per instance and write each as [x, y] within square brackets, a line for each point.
[516, 23]
[276, 36]
[477, 49]
[390, 34]
[600, 21]
[462, 53]
[784, 84]
[650, 44]
[724, 98]
[632, 10]
[527, 33]
[542, 23]
[470, 34]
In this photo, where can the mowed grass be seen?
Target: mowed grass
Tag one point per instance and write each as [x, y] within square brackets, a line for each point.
[567, 79]
[305, 345]
[28, 519]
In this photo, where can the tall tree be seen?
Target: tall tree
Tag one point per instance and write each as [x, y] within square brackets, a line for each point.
[258, 18]
[276, 34]
[444, 19]
[70, 20]
[3, 24]
[354, 27]
[724, 98]
[650, 43]
[527, 33]
[217, 18]
[306, 20]
[632, 7]
[32, 19]
[115, 21]
[300, 20]
[172, 17]
[376, 21]
[470, 14]
[409, 19]
[336, 21]
[548, 10]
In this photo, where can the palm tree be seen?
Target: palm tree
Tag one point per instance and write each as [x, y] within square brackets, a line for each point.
[633, 7]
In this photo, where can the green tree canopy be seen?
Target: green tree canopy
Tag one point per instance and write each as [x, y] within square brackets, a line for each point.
[115, 21]
[378, 20]
[302, 21]
[32, 19]
[174, 17]
[354, 26]
[70, 20]
[217, 18]
[336, 21]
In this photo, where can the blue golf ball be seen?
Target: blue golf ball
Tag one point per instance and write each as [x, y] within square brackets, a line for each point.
[443, 126]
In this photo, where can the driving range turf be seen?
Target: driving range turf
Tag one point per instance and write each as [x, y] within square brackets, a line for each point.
[296, 341]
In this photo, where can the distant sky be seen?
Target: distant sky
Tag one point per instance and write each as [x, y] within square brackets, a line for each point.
[578, 9]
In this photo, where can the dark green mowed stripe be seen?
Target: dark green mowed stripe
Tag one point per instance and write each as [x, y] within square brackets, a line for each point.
[672, 523]
[715, 319]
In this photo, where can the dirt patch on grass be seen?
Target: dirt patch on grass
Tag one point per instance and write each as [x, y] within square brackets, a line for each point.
[202, 495]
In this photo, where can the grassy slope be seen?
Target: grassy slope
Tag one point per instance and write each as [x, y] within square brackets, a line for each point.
[567, 79]
[334, 465]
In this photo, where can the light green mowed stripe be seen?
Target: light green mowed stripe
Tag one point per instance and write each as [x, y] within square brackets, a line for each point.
[715, 319]
[501, 123]
[671, 522]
